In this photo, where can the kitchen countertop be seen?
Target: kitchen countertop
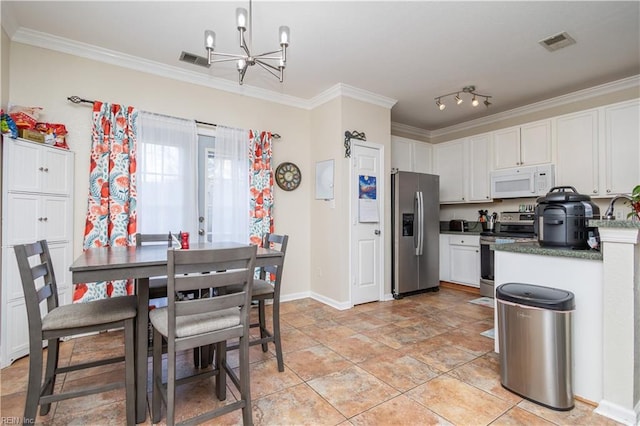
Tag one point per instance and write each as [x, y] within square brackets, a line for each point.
[460, 232]
[535, 248]
[615, 223]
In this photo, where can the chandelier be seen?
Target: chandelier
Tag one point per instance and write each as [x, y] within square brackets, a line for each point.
[468, 89]
[274, 61]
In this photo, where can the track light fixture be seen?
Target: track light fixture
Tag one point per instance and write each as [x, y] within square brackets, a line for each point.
[243, 61]
[468, 89]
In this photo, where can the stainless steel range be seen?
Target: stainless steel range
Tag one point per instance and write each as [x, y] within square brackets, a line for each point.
[515, 227]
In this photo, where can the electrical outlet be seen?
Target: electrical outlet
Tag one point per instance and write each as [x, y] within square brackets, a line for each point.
[620, 215]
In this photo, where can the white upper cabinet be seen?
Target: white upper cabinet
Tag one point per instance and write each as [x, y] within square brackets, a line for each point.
[577, 151]
[479, 167]
[524, 145]
[621, 147]
[408, 155]
[449, 159]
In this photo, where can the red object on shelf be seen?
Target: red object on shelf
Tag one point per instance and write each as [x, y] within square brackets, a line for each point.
[184, 237]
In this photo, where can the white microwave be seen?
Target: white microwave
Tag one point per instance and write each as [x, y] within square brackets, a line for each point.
[532, 181]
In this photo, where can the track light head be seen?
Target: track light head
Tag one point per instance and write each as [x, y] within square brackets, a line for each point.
[467, 89]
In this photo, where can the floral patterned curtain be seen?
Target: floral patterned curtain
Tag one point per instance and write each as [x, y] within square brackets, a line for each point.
[111, 212]
[260, 186]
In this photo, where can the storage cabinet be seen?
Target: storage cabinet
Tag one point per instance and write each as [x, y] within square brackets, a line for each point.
[464, 166]
[37, 203]
[464, 259]
[577, 151]
[621, 147]
[444, 258]
[408, 155]
[525, 145]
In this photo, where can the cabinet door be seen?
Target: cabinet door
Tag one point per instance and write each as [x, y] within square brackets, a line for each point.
[401, 154]
[23, 166]
[479, 167]
[16, 330]
[448, 162]
[57, 168]
[422, 157]
[465, 265]
[535, 143]
[506, 148]
[577, 151]
[622, 147]
[444, 258]
[54, 219]
[22, 214]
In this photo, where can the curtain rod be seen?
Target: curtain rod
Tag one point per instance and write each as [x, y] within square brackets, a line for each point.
[79, 100]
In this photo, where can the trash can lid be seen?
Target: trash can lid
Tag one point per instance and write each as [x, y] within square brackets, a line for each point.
[537, 296]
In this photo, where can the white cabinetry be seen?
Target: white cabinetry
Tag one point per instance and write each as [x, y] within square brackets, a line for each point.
[621, 147]
[463, 166]
[524, 145]
[464, 259]
[37, 204]
[408, 155]
[577, 151]
[445, 269]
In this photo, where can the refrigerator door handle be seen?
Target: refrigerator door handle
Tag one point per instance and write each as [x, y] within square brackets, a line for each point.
[416, 223]
[420, 224]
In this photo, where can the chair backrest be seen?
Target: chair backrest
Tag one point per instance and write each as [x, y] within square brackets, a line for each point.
[199, 269]
[32, 276]
[144, 239]
[275, 242]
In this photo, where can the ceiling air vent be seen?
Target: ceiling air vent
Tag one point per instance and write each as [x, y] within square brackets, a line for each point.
[557, 41]
[194, 59]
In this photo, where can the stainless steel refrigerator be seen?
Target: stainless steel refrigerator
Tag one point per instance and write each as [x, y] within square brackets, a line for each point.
[415, 224]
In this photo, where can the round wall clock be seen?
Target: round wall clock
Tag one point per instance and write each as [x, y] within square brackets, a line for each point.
[288, 176]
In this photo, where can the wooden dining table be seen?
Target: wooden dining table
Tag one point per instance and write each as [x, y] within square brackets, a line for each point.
[141, 263]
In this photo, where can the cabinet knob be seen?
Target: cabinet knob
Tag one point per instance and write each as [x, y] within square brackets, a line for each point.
[41, 169]
[40, 219]
[595, 191]
[608, 191]
[45, 218]
[46, 169]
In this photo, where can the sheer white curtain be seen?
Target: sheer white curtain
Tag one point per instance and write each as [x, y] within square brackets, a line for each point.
[167, 175]
[228, 185]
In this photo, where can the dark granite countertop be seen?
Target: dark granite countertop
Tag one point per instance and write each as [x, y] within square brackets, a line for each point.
[460, 232]
[615, 223]
[535, 248]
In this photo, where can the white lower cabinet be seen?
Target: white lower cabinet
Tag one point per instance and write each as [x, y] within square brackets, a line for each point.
[37, 204]
[460, 259]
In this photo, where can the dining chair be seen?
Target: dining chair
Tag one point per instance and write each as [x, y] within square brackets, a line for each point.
[157, 285]
[39, 284]
[191, 323]
[263, 291]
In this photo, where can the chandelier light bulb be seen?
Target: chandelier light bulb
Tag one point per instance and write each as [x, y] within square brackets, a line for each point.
[209, 40]
[241, 18]
[458, 99]
[241, 64]
[474, 101]
[440, 105]
[284, 36]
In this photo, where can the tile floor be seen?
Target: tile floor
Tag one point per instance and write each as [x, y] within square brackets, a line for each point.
[416, 361]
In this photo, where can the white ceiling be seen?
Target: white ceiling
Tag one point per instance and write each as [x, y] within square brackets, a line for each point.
[410, 51]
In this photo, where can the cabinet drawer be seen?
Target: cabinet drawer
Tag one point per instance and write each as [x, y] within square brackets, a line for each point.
[464, 240]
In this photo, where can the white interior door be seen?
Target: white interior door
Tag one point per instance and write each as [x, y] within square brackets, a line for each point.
[367, 218]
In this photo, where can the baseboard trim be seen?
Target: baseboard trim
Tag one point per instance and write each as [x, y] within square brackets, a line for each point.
[460, 287]
[618, 413]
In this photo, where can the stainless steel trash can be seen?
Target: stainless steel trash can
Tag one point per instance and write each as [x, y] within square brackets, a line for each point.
[534, 336]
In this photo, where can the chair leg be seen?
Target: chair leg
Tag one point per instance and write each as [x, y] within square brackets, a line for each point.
[263, 324]
[156, 403]
[221, 380]
[130, 370]
[276, 334]
[35, 382]
[245, 390]
[53, 353]
[171, 387]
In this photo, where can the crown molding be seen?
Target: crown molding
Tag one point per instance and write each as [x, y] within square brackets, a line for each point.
[580, 95]
[345, 90]
[84, 50]
[410, 130]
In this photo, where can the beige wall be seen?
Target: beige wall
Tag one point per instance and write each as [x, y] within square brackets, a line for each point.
[45, 78]
[4, 69]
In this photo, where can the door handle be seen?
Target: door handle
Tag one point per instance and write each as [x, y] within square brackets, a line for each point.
[200, 231]
[377, 232]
